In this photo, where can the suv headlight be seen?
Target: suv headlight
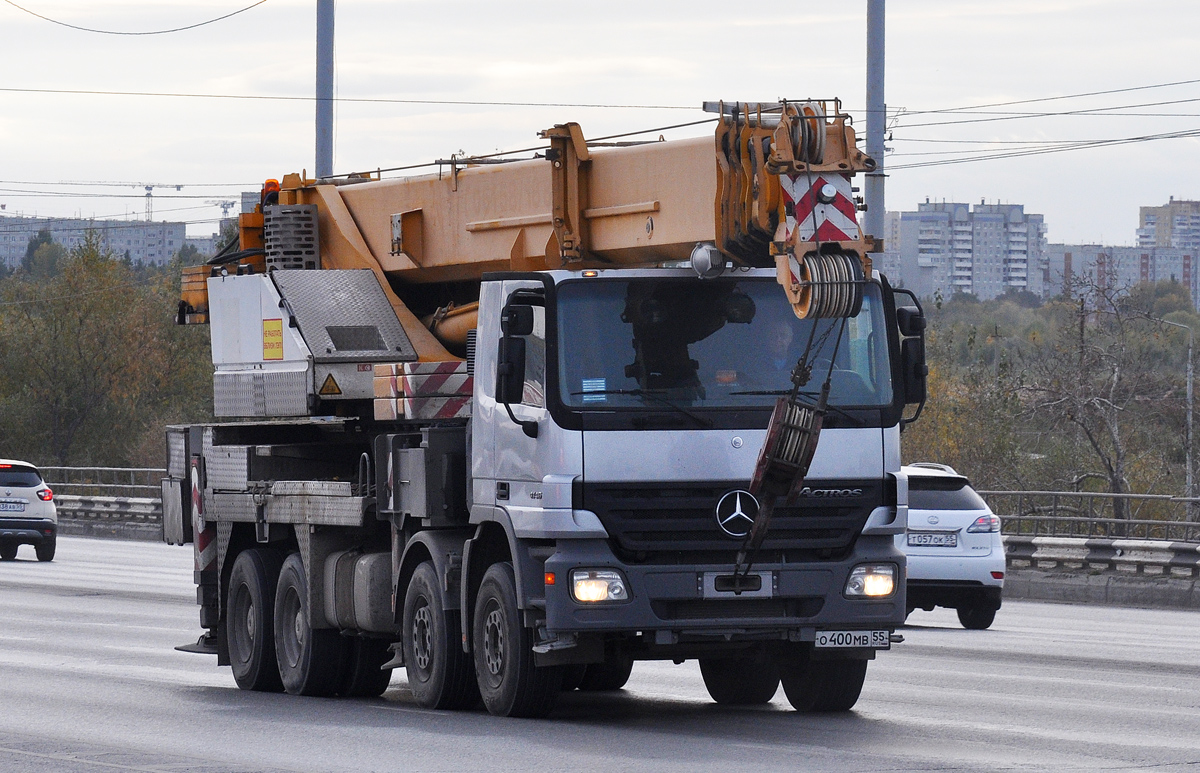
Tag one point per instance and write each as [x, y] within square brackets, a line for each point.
[871, 581]
[590, 586]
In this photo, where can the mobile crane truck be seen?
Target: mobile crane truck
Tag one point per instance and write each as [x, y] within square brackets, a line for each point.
[520, 423]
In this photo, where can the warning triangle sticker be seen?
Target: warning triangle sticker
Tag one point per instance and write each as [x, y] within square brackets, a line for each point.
[330, 387]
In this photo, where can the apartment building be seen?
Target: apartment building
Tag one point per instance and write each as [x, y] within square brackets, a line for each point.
[139, 240]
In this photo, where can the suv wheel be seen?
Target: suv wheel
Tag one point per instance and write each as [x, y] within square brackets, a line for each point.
[975, 617]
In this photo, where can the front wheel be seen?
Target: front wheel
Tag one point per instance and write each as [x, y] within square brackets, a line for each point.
[822, 685]
[740, 681]
[440, 674]
[976, 618]
[610, 675]
[309, 658]
[509, 682]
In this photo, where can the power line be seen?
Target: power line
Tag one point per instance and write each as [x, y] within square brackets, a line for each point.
[118, 32]
[1059, 149]
[119, 184]
[1062, 96]
[364, 100]
[1095, 111]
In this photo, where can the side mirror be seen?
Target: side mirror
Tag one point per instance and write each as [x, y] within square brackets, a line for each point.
[516, 320]
[910, 320]
[914, 370]
[510, 370]
[510, 362]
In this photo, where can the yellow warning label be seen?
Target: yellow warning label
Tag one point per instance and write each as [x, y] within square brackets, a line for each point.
[272, 339]
[330, 387]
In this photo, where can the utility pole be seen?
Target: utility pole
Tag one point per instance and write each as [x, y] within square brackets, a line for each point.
[324, 166]
[876, 120]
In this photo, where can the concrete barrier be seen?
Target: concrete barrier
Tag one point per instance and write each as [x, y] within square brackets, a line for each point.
[1138, 573]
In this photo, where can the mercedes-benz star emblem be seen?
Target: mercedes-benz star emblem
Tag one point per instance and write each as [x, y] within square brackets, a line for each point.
[736, 512]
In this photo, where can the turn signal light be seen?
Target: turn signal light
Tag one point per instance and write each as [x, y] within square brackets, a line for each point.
[549, 578]
[46, 495]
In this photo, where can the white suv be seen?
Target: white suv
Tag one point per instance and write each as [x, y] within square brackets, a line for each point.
[27, 512]
[955, 555]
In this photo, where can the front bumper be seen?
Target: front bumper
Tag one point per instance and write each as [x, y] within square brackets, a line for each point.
[28, 531]
[678, 603]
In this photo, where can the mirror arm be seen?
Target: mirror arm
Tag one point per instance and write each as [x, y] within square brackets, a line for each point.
[529, 427]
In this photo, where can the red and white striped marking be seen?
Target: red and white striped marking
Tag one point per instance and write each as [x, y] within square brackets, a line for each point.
[836, 221]
[436, 379]
[204, 542]
[437, 407]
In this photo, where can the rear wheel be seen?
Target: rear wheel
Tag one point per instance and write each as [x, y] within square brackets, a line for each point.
[361, 675]
[975, 617]
[612, 674]
[309, 658]
[440, 674]
[822, 685]
[45, 549]
[250, 620]
[8, 551]
[740, 681]
[509, 682]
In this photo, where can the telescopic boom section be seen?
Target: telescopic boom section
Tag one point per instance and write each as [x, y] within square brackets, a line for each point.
[772, 188]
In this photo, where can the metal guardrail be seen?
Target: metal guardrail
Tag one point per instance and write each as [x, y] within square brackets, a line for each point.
[1126, 556]
[110, 509]
[105, 481]
[1088, 515]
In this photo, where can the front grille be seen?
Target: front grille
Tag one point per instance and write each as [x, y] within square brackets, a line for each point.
[677, 523]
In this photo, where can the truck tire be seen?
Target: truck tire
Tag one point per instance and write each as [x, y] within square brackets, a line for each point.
[309, 659]
[45, 549]
[361, 675]
[976, 617]
[440, 674]
[509, 682]
[740, 681]
[823, 685]
[250, 620]
[8, 551]
[610, 675]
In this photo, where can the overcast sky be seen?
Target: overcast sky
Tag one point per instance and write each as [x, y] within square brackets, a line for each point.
[941, 55]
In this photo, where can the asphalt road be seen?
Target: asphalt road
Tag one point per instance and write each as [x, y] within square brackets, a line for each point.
[89, 682]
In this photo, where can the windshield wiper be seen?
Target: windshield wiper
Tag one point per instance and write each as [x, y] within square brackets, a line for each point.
[653, 395]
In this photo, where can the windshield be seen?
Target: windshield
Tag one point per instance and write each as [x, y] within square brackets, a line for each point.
[729, 342]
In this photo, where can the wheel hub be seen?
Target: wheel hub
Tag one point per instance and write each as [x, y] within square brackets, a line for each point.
[493, 642]
[422, 637]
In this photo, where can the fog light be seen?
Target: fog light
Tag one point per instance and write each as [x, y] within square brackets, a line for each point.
[871, 580]
[595, 585]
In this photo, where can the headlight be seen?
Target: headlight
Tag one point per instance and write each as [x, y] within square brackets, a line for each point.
[871, 580]
[595, 585]
[985, 523]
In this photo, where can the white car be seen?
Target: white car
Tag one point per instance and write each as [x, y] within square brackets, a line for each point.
[27, 512]
[955, 555]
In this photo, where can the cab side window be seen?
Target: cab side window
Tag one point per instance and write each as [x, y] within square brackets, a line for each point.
[533, 393]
